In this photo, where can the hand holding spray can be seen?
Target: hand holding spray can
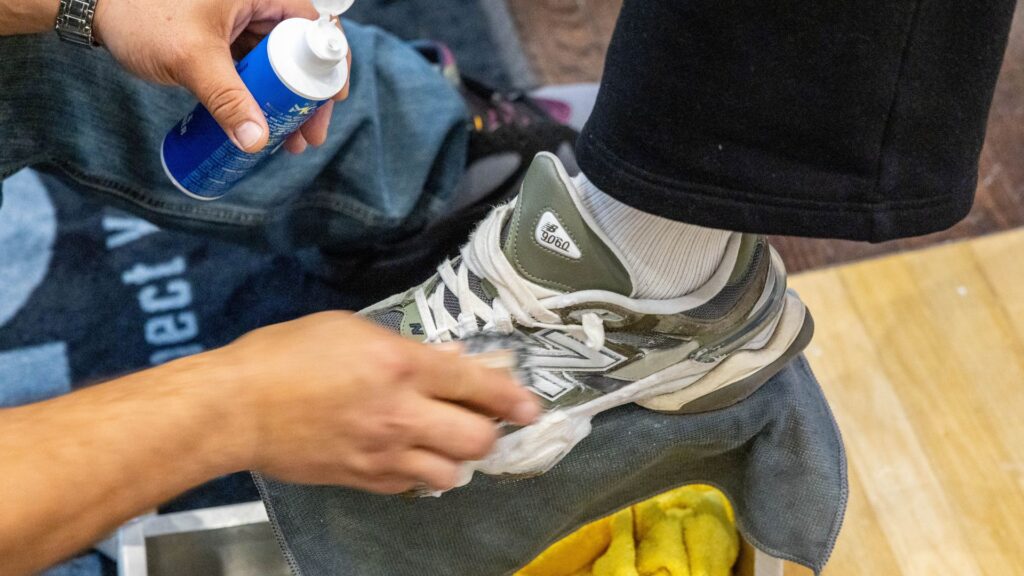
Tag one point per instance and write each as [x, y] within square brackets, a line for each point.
[298, 67]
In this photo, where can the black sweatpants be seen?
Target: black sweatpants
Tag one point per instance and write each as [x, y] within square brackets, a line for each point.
[835, 118]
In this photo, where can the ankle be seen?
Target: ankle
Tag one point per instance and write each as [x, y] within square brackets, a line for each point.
[665, 258]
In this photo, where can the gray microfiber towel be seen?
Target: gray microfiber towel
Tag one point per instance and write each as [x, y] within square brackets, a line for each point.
[778, 456]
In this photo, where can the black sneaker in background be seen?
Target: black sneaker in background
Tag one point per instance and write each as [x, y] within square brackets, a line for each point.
[506, 131]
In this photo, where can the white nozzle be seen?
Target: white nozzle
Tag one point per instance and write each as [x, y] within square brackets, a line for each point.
[327, 45]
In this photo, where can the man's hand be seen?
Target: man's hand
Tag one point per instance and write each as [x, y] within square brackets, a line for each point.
[333, 399]
[327, 399]
[191, 42]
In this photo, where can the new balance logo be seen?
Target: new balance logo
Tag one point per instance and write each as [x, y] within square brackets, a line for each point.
[554, 356]
[558, 351]
[551, 235]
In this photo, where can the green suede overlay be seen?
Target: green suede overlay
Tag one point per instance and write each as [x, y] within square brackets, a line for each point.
[598, 268]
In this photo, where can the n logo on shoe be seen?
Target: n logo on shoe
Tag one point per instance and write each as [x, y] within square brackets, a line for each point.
[559, 351]
[552, 235]
[556, 354]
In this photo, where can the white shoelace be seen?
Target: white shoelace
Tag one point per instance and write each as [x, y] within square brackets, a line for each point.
[517, 301]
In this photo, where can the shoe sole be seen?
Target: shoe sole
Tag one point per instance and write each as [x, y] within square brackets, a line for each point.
[685, 388]
[735, 391]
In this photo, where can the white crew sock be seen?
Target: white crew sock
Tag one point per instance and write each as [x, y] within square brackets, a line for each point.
[666, 259]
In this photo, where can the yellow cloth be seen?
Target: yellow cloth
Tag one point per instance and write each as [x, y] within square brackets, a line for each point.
[620, 557]
[689, 531]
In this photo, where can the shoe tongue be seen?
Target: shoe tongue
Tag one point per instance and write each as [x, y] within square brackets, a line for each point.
[550, 243]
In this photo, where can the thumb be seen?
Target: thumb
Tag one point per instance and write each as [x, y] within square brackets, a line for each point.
[214, 81]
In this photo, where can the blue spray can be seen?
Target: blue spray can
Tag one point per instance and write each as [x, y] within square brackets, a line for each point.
[291, 73]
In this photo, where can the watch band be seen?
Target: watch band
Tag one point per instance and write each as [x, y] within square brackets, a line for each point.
[74, 21]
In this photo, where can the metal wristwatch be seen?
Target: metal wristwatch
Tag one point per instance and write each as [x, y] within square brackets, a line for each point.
[74, 21]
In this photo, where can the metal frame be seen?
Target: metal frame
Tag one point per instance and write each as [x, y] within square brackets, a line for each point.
[128, 545]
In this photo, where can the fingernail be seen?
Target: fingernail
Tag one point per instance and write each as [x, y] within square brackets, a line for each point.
[248, 134]
[525, 412]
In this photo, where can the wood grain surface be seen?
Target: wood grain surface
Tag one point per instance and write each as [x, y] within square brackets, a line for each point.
[921, 356]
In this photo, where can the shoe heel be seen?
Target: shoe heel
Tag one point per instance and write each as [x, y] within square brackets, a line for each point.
[742, 389]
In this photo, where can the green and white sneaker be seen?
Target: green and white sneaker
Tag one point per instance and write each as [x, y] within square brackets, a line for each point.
[540, 269]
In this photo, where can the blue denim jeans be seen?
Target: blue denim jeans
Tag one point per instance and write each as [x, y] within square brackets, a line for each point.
[395, 152]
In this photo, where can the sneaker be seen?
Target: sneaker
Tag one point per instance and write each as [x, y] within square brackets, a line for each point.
[539, 270]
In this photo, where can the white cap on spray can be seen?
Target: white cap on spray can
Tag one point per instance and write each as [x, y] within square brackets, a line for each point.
[309, 56]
